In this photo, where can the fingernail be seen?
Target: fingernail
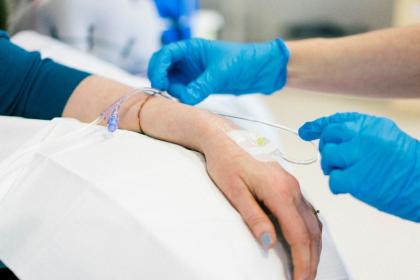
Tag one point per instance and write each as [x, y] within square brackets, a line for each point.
[266, 240]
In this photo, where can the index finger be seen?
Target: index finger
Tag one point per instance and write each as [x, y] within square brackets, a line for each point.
[314, 129]
[161, 62]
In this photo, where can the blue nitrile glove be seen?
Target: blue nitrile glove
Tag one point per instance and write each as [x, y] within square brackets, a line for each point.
[370, 158]
[178, 14]
[192, 70]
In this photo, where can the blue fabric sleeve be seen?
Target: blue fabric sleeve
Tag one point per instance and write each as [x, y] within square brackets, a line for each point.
[32, 87]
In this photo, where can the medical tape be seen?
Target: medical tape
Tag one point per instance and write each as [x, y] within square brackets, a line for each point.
[254, 144]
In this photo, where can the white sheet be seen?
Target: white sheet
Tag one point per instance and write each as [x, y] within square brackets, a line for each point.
[62, 218]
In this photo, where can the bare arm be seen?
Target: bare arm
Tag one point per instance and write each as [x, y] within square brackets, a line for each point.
[378, 64]
[245, 181]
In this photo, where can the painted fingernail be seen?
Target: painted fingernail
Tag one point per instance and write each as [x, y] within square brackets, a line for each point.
[266, 240]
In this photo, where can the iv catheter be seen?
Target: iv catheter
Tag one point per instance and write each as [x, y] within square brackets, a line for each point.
[111, 116]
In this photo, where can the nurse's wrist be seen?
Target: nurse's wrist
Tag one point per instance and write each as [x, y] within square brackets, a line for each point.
[303, 69]
[284, 59]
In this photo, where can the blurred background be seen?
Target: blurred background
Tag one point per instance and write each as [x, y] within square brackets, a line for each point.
[126, 33]
[249, 20]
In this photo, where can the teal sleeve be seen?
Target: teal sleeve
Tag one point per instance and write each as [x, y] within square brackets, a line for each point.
[33, 87]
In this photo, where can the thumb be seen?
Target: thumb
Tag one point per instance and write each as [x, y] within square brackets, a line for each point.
[196, 91]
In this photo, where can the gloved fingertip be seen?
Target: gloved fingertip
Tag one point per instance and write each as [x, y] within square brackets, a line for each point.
[193, 94]
[184, 95]
[336, 191]
[326, 171]
[308, 132]
[161, 83]
[302, 132]
[158, 69]
[338, 182]
[177, 91]
[192, 97]
[325, 166]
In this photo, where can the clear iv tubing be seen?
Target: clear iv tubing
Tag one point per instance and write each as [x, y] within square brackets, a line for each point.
[313, 159]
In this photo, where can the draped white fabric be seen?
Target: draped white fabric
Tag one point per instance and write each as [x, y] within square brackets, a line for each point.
[126, 207]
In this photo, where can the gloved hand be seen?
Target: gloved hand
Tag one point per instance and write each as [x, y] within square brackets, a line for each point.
[370, 158]
[192, 70]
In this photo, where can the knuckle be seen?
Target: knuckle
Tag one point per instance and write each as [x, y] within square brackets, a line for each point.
[307, 274]
[254, 220]
[289, 187]
[316, 235]
[270, 180]
[304, 272]
[303, 239]
[279, 196]
[281, 189]
[294, 186]
[235, 190]
[314, 273]
[306, 240]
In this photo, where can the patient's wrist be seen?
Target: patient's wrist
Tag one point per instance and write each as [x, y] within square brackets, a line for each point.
[216, 136]
[130, 113]
[174, 122]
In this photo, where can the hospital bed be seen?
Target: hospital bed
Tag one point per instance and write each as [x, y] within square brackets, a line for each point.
[126, 207]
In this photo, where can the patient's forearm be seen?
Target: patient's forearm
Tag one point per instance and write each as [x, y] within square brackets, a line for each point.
[160, 118]
[383, 63]
[181, 124]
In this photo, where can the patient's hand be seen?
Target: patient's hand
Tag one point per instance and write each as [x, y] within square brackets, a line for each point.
[247, 182]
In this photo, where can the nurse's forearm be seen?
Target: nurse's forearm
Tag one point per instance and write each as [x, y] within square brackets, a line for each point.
[382, 63]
